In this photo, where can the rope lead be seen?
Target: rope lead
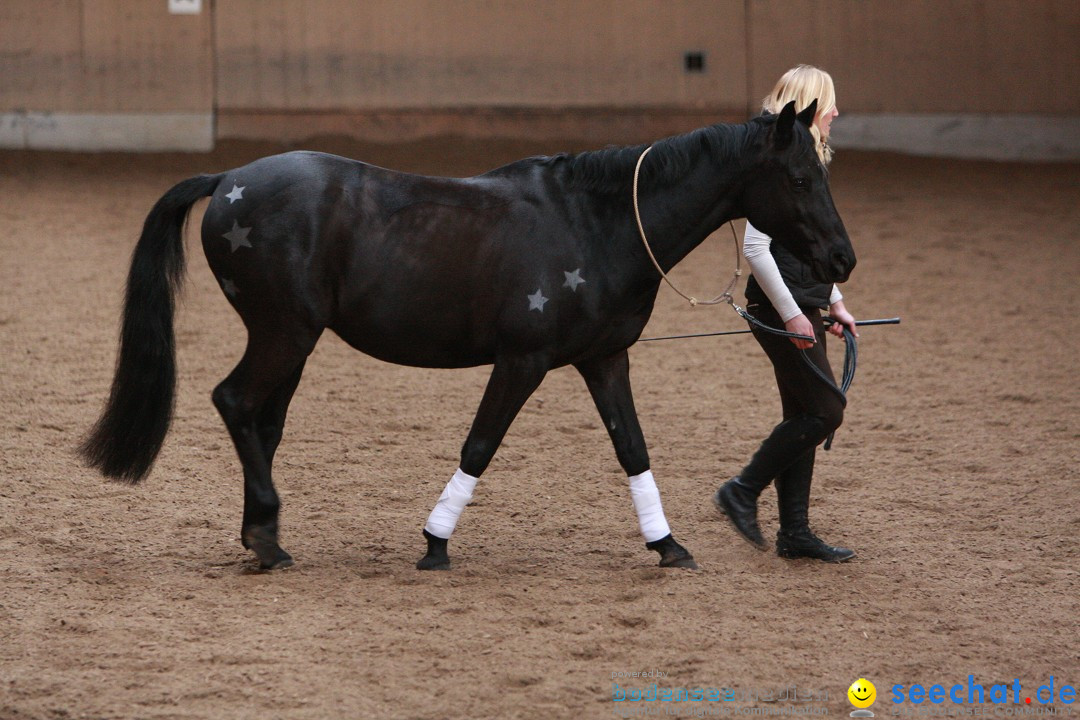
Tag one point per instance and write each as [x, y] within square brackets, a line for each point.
[724, 297]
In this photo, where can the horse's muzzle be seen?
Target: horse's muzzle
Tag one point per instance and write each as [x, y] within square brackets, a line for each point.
[841, 263]
[836, 270]
[836, 267]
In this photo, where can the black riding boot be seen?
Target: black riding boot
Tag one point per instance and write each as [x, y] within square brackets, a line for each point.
[795, 539]
[737, 498]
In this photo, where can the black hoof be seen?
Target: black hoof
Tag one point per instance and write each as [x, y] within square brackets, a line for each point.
[263, 542]
[281, 561]
[672, 554]
[740, 507]
[271, 556]
[436, 558]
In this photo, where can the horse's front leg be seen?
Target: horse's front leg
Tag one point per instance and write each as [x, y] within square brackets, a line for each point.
[512, 381]
[608, 380]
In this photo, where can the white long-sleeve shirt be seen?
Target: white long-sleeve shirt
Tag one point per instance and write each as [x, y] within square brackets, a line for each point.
[763, 266]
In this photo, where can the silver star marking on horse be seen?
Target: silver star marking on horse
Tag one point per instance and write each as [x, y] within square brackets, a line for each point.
[573, 279]
[537, 300]
[229, 287]
[237, 237]
[237, 193]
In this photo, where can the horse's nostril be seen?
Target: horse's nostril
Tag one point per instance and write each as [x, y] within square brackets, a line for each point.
[843, 261]
[841, 265]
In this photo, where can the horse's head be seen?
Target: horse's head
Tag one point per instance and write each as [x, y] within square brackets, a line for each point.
[788, 196]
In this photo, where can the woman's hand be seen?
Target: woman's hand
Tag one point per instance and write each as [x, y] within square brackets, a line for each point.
[843, 319]
[801, 324]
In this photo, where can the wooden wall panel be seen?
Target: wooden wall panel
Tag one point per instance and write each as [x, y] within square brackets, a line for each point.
[932, 56]
[925, 56]
[333, 55]
[111, 69]
[39, 42]
[103, 56]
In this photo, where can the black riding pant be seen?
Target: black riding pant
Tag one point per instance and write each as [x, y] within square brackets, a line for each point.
[812, 409]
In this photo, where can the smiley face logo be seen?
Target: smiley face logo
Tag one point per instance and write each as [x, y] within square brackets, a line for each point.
[862, 693]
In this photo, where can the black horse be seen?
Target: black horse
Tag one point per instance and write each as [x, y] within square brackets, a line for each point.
[529, 267]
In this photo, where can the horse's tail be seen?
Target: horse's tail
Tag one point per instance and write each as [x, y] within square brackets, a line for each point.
[128, 436]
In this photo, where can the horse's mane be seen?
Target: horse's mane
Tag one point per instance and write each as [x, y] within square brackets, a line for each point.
[670, 159]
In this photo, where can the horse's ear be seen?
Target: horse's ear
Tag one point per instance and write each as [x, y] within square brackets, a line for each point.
[806, 117]
[785, 124]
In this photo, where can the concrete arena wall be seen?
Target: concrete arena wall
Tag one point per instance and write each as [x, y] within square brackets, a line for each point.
[979, 77]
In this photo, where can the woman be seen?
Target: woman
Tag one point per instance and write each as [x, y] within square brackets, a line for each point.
[781, 293]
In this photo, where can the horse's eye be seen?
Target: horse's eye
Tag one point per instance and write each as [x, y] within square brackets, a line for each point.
[800, 183]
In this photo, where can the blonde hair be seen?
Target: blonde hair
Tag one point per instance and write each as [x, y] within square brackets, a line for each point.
[803, 84]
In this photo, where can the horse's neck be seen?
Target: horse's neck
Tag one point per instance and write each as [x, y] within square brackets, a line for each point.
[678, 218]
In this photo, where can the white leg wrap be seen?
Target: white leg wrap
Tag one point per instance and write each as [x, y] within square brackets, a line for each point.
[650, 512]
[455, 496]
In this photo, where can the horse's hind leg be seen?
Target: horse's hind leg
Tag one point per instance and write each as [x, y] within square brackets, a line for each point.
[608, 380]
[270, 423]
[253, 402]
[511, 383]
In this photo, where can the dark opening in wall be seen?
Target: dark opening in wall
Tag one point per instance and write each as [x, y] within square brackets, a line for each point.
[694, 61]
